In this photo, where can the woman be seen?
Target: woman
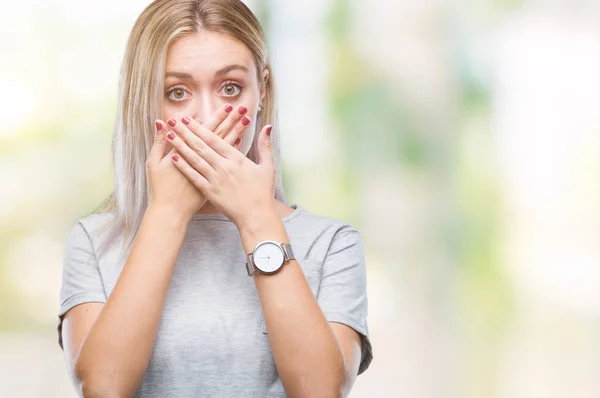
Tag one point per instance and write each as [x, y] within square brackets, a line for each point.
[156, 298]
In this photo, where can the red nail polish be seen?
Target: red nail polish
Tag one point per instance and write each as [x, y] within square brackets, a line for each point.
[185, 120]
[171, 136]
[238, 141]
[269, 130]
[176, 158]
[228, 108]
[172, 122]
[245, 120]
[242, 109]
[158, 125]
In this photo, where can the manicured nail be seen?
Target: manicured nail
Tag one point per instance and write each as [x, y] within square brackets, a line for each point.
[185, 120]
[176, 158]
[238, 141]
[228, 108]
[172, 122]
[245, 120]
[242, 109]
[158, 125]
[171, 136]
[269, 130]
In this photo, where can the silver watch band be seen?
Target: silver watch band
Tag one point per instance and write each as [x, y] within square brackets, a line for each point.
[288, 254]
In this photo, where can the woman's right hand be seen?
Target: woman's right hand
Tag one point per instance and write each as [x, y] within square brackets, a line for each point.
[169, 188]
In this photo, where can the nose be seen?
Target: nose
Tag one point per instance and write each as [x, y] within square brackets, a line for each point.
[205, 108]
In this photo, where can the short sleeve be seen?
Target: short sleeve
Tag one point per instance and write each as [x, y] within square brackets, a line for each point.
[81, 280]
[343, 292]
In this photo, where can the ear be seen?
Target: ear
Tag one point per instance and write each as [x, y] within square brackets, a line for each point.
[263, 84]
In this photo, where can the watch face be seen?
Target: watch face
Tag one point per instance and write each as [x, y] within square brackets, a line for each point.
[268, 256]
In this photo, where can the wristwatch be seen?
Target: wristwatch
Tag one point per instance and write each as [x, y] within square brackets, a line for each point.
[268, 257]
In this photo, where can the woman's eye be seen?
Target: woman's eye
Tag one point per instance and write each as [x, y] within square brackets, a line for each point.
[177, 94]
[231, 90]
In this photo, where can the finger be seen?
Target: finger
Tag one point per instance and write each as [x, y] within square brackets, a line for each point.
[218, 117]
[265, 148]
[191, 157]
[194, 140]
[215, 143]
[159, 146]
[225, 127]
[191, 173]
[238, 144]
[237, 130]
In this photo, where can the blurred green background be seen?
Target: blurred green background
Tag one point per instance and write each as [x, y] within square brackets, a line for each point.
[460, 138]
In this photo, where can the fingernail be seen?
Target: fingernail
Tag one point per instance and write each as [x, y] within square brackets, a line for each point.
[269, 130]
[238, 141]
[158, 125]
[228, 108]
[176, 158]
[185, 120]
[245, 120]
[172, 122]
[242, 109]
[171, 136]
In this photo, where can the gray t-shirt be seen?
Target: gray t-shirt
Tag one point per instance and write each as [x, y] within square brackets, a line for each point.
[212, 340]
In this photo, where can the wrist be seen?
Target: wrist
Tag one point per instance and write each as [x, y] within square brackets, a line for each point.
[260, 227]
[255, 216]
[256, 220]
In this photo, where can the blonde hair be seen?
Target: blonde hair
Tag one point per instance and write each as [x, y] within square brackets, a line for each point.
[141, 89]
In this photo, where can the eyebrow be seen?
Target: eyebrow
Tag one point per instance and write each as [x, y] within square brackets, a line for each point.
[222, 71]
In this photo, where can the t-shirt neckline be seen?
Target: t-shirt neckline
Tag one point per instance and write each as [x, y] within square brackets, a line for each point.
[222, 217]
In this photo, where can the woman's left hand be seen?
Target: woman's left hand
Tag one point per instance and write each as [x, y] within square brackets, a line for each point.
[234, 184]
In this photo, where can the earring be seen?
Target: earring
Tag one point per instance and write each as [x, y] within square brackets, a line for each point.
[260, 108]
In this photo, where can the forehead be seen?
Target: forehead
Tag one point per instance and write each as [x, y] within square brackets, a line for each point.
[206, 52]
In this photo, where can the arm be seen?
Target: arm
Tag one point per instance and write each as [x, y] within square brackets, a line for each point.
[312, 360]
[113, 357]
[313, 357]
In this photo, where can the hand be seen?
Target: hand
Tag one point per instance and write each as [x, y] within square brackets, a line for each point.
[168, 187]
[233, 183]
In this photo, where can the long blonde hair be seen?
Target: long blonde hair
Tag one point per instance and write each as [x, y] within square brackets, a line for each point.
[141, 90]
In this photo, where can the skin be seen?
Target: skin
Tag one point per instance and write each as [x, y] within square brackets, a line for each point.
[201, 170]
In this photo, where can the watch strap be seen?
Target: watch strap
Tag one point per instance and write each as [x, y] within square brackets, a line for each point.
[288, 253]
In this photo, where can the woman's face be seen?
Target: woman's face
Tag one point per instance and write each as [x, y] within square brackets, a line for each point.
[206, 71]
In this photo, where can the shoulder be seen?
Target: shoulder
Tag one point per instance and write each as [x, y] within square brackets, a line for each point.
[321, 223]
[89, 229]
[95, 222]
[315, 234]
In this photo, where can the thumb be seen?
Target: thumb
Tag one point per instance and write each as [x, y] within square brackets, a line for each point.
[157, 152]
[265, 149]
